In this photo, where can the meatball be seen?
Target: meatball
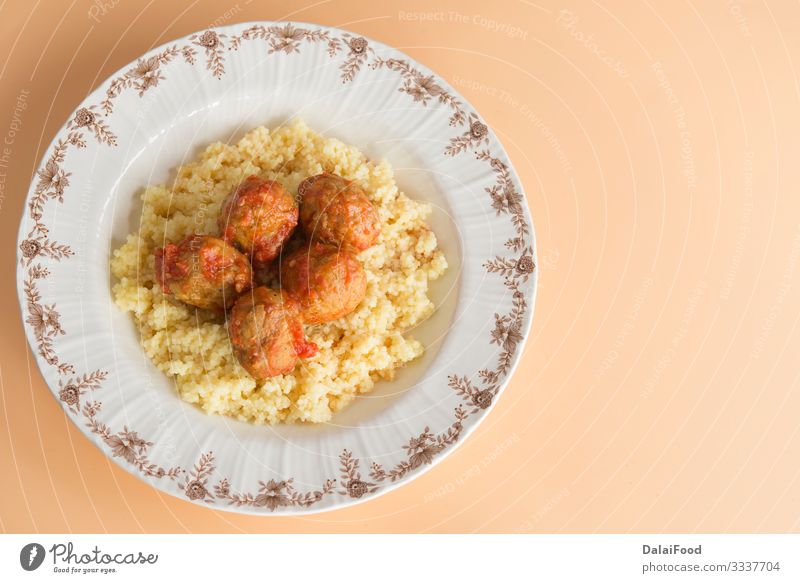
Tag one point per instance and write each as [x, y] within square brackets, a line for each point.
[203, 271]
[266, 332]
[257, 217]
[328, 282]
[336, 211]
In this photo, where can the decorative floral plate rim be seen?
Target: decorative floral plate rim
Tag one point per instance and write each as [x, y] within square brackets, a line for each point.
[359, 478]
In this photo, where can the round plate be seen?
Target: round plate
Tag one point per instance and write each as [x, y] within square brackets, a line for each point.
[157, 113]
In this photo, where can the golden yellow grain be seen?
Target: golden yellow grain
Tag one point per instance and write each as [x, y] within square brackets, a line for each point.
[355, 351]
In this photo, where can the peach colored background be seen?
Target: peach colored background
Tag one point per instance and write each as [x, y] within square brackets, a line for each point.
[658, 144]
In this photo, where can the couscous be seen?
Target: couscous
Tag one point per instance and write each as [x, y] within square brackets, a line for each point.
[355, 351]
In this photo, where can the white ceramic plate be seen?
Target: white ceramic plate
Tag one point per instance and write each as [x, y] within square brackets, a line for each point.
[157, 113]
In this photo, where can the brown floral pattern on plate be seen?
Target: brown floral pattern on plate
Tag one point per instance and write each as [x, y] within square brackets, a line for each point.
[421, 450]
[213, 44]
[288, 38]
[146, 74]
[273, 494]
[88, 118]
[476, 134]
[44, 319]
[285, 39]
[70, 391]
[195, 484]
[423, 88]
[358, 51]
[127, 444]
[350, 479]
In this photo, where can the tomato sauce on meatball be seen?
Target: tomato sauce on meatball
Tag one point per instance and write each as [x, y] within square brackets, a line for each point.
[266, 331]
[203, 271]
[328, 282]
[337, 211]
[258, 217]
